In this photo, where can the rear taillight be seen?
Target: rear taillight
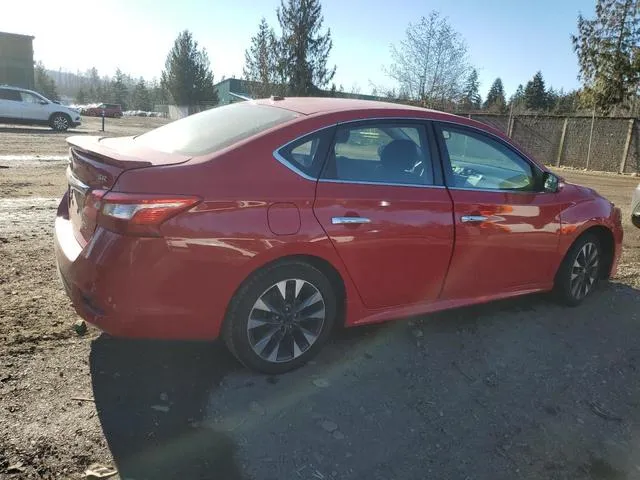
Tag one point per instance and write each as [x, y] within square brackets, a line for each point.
[140, 214]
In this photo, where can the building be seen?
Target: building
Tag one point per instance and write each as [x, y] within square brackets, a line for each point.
[231, 90]
[16, 60]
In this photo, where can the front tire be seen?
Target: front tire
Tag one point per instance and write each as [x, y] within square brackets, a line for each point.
[281, 317]
[579, 273]
[60, 122]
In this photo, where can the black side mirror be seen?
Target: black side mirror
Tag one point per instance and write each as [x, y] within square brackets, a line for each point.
[550, 182]
[43, 102]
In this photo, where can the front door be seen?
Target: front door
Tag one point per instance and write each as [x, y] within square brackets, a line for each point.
[388, 215]
[507, 229]
[31, 107]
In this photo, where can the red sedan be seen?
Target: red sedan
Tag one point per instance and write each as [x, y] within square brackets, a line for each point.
[270, 222]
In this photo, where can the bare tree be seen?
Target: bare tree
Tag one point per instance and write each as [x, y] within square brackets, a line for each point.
[431, 63]
[261, 63]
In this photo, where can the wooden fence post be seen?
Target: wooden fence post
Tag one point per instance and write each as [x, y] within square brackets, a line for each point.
[627, 145]
[510, 123]
[561, 147]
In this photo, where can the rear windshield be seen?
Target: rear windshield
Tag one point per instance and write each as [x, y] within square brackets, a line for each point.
[214, 129]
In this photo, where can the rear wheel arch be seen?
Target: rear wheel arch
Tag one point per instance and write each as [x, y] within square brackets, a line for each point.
[323, 265]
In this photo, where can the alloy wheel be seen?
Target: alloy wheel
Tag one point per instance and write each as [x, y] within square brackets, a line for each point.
[584, 271]
[286, 320]
[60, 122]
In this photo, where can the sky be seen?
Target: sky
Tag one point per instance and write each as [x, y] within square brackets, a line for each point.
[510, 39]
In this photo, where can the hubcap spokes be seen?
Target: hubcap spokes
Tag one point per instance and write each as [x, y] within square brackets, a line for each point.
[286, 320]
[584, 271]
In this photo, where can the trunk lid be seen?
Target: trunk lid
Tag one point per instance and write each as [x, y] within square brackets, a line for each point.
[95, 163]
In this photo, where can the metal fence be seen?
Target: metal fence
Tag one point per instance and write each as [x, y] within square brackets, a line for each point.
[593, 143]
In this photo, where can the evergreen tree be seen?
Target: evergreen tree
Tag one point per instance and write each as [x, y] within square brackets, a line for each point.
[304, 48]
[496, 101]
[472, 99]
[608, 52]
[535, 93]
[119, 91]
[140, 99]
[187, 78]
[81, 97]
[44, 83]
[261, 62]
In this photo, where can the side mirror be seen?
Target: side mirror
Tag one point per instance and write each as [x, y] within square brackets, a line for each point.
[551, 182]
[43, 102]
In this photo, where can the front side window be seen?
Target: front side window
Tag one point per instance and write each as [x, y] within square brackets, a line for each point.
[380, 153]
[29, 98]
[480, 162]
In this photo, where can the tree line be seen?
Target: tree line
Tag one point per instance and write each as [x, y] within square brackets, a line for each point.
[429, 67]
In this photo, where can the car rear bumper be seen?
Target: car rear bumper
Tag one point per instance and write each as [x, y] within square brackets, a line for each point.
[134, 287]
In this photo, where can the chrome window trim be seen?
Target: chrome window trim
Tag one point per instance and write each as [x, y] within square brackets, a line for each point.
[293, 168]
[386, 184]
[520, 192]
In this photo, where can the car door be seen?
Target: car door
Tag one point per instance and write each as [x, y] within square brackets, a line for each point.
[385, 209]
[506, 227]
[10, 103]
[33, 107]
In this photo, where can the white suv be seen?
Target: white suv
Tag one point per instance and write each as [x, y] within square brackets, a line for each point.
[26, 107]
[635, 207]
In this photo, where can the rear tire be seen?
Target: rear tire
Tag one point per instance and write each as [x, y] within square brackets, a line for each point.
[280, 318]
[60, 122]
[579, 273]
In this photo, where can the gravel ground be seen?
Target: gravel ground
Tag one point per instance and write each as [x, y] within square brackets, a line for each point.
[521, 389]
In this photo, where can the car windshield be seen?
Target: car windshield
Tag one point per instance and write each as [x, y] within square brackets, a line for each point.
[214, 129]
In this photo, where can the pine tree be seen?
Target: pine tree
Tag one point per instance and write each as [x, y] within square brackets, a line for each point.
[119, 91]
[472, 99]
[261, 62]
[187, 77]
[496, 101]
[304, 49]
[535, 93]
[44, 83]
[140, 98]
[607, 50]
[81, 97]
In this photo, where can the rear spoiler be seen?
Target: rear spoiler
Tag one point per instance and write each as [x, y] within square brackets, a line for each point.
[122, 152]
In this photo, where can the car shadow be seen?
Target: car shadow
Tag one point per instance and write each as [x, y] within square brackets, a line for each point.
[39, 130]
[151, 398]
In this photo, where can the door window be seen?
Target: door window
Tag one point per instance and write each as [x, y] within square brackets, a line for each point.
[6, 94]
[29, 98]
[480, 162]
[380, 153]
[307, 154]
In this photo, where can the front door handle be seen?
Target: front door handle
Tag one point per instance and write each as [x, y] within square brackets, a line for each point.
[473, 218]
[349, 220]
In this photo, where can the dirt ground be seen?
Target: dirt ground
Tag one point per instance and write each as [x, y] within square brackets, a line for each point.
[517, 389]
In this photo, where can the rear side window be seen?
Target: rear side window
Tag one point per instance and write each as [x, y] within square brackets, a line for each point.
[6, 94]
[306, 155]
[215, 129]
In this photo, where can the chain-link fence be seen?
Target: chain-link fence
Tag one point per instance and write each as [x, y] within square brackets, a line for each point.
[593, 143]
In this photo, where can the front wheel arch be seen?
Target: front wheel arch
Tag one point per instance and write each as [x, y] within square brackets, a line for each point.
[607, 243]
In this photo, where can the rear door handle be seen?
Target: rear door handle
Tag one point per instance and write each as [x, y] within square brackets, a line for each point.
[349, 220]
[473, 218]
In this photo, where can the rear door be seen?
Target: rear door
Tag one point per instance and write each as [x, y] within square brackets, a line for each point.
[10, 103]
[384, 206]
[507, 228]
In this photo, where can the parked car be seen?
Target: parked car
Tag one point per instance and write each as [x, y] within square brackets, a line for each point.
[635, 207]
[112, 110]
[270, 222]
[19, 106]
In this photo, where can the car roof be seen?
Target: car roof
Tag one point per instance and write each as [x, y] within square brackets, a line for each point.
[11, 87]
[313, 105]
